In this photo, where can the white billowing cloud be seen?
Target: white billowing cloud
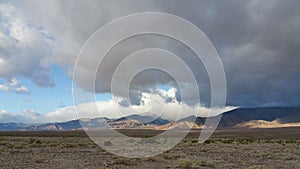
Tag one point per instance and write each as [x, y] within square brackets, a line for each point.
[108, 109]
[6, 116]
[60, 115]
[14, 86]
[31, 113]
[4, 88]
[25, 49]
[2, 112]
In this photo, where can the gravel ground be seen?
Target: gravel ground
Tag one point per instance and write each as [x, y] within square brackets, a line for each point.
[252, 149]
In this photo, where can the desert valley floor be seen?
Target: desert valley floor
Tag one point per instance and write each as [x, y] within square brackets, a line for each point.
[251, 149]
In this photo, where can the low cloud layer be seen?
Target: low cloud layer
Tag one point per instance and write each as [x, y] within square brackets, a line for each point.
[172, 110]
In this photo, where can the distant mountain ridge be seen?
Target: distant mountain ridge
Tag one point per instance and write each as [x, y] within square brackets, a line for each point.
[237, 118]
[132, 121]
[10, 126]
[241, 115]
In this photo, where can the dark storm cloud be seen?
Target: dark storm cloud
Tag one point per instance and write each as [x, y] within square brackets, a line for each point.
[258, 42]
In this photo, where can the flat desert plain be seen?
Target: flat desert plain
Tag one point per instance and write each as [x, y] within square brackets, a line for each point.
[247, 148]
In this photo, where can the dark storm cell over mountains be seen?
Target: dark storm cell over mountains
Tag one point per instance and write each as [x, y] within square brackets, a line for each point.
[258, 42]
[258, 45]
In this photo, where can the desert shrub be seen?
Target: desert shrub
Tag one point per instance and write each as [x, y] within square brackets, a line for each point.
[4, 143]
[53, 144]
[107, 143]
[227, 141]
[171, 155]
[291, 141]
[36, 145]
[81, 144]
[288, 158]
[191, 164]
[38, 142]
[9, 145]
[152, 159]
[245, 141]
[68, 145]
[18, 146]
[2, 139]
[269, 141]
[206, 164]
[39, 159]
[186, 163]
[3, 153]
[125, 161]
[31, 140]
[130, 141]
[150, 140]
[194, 141]
[185, 141]
[263, 154]
[209, 141]
[257, 167]
[195, 166]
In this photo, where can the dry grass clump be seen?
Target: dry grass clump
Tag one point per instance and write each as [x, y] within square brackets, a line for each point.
[206, 164]
[18, 146]
[209, 142]
[171, 155]
[186, 163]
[39, 159]
[257, 167]
[191, 164]
[107, 143]
[125, 161]
[35, 143]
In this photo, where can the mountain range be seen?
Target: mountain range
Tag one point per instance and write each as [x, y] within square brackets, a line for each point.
[274, 117]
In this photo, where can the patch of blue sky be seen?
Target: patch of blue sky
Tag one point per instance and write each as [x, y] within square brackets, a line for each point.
[164, 87]
[103, 97]
[42, 100]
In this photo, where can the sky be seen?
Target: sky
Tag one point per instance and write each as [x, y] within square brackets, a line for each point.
[257, 41]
